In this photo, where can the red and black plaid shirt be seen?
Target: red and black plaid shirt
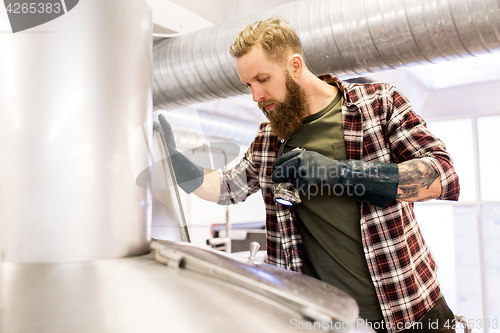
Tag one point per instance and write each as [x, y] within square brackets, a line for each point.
[379, 126]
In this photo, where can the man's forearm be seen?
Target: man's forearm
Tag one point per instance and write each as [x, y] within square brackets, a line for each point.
[210, 188]
[418, 181]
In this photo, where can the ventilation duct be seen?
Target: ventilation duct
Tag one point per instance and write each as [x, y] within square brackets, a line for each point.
[347, 38]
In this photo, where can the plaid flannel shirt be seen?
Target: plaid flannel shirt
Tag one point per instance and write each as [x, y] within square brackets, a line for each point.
[379, 126]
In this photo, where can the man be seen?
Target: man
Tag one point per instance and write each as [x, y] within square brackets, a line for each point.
[367, 158]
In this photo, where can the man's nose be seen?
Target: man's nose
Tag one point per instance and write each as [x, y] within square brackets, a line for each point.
[257, 94]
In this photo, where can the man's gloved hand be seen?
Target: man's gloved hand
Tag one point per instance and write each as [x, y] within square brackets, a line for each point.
[374, 183]
[189, 175]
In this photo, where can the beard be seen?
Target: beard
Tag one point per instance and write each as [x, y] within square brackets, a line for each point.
[286, 118]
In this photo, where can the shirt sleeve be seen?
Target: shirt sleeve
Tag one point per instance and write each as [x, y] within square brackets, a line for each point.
[409, 138]
[243, 179]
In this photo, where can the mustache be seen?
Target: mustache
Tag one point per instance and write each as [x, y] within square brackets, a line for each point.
[263, 104]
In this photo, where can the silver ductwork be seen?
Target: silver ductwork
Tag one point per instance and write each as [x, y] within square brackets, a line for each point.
[347, 38]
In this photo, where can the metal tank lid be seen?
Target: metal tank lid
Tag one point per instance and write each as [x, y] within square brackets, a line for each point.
[198, 290]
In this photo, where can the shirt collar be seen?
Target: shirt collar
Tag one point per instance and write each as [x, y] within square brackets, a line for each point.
[349, 97]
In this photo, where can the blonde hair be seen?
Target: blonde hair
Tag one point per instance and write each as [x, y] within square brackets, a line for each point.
[275, 35]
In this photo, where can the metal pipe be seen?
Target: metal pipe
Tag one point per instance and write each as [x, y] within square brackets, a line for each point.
[71, 92]
[347, 38]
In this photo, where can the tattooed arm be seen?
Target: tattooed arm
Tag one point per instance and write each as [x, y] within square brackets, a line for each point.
[418, 181]
[425, 168]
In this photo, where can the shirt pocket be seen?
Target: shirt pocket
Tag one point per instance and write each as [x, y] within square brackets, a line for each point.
[339, 152]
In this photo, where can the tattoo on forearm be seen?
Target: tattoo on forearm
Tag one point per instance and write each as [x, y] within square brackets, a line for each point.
[415, 176]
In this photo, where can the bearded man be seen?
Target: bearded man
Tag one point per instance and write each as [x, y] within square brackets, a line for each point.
[368, 242]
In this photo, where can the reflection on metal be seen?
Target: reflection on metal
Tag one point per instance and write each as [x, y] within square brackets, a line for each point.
[71, 91]
[157, 173]
[137, 294]
[346, 38]
[167, 205]
[130, 295]
[315, 300]
[213, 125]
[254, 249]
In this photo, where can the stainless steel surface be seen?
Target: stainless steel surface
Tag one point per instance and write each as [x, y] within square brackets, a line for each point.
[346, 38]
[136, 294]
[129, 295]
[167, 206]
[254, 249]
[313, 299]
[71, 92]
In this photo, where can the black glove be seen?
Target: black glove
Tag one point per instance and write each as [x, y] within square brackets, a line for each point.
[374, 183]
[189, 175]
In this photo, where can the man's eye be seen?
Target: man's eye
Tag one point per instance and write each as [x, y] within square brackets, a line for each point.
[263, 80]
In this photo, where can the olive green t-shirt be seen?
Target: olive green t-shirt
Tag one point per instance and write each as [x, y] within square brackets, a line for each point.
[329, 224]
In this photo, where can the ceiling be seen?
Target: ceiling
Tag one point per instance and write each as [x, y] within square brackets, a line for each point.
[460, 87]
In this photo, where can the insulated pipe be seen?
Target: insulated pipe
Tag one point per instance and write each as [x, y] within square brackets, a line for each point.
[347, 38]
[71, 92]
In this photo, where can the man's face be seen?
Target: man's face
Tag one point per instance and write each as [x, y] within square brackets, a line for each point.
[286, 118]
[264, 78]
[278, 95]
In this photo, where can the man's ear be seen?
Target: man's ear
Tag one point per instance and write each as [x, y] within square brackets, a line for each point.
[297, 65]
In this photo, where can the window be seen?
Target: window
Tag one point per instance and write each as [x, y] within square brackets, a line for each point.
[489, 157]
[464, 236]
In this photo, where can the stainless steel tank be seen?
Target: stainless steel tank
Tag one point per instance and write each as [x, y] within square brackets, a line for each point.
[180, 288]
[71, 92]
